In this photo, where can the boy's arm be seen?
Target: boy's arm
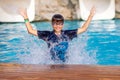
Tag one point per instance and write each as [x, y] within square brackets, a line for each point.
[23, 12]
[86, 24]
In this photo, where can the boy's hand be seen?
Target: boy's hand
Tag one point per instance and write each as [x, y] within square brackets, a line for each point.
[23, 12]
[93, 11]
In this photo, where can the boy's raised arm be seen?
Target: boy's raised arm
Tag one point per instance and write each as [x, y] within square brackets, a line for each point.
[86, 24]
[23, 13]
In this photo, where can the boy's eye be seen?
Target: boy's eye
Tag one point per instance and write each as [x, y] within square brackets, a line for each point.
[58, 23]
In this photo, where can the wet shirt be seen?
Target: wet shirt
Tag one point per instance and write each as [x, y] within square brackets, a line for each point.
[58, 44]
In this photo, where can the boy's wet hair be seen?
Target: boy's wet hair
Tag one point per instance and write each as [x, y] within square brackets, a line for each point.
[57, 18]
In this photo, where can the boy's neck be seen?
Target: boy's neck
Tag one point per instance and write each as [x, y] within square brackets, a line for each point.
[58, 33]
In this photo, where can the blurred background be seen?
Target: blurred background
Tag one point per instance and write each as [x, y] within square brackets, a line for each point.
[43, 10]
[69, 8]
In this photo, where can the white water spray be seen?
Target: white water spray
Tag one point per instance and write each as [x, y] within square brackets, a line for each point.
[35, 51]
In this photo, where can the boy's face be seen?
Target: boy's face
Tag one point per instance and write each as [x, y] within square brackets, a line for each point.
[57, 25]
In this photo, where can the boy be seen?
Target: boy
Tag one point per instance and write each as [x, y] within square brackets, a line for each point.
[57, 39]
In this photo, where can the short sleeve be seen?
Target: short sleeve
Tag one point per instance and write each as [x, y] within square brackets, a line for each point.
[71, 33]
[43, 34]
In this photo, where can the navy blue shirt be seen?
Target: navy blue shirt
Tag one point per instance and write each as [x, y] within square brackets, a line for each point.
[58, 44]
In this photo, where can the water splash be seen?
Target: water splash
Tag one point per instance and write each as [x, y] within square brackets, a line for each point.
[37, 52]
[78, 53]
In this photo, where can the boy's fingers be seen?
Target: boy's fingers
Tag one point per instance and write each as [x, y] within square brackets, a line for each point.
[93, 9]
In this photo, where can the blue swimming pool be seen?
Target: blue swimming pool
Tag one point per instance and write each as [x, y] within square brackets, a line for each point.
[100, 44]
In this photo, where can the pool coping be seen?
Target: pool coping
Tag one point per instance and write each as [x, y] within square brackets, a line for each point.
[58, 72]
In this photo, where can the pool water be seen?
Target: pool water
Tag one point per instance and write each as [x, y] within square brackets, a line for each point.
[99, 45]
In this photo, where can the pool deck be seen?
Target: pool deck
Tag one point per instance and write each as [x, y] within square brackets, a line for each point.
[58, 72]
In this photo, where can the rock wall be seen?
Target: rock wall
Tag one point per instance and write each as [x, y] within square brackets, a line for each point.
[45, 9]
[117, 7]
